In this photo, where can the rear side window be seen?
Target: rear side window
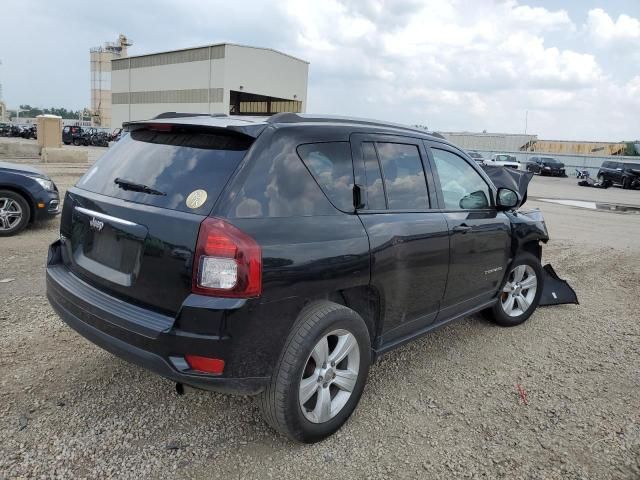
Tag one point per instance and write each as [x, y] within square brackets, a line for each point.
[172, 165]
[404, 179]
[277, 184]
[375, 190]
[330, 164]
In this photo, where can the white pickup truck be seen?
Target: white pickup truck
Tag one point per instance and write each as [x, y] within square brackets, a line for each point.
[502, 160]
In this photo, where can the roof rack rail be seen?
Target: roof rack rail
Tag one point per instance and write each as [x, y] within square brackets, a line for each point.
[185, 114]
[298, 118]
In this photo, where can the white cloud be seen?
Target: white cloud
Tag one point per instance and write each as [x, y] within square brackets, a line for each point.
[624, 32]
[433, 65]
[539, 18]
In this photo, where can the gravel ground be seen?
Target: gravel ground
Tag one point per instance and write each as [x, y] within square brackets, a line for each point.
[445, 406]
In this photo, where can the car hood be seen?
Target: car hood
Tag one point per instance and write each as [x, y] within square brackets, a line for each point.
[20, 168]
[553, 165]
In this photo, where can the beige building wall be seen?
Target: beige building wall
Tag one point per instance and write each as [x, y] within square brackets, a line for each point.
[265, 72]
[200, 80]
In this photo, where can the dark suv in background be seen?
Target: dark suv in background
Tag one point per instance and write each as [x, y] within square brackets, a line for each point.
[281, 257]
[546, 166]
[627, 175]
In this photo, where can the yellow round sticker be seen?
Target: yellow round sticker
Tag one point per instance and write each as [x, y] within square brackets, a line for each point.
[196, 199]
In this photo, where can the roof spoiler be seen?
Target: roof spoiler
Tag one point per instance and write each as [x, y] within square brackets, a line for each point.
[184, 114]
[182, 119]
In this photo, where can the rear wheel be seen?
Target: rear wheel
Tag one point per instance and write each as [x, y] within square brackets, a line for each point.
[14, 213]
[520, 293]
[320, 376]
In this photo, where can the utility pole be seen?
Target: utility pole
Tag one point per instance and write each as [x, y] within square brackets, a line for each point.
[526, 120]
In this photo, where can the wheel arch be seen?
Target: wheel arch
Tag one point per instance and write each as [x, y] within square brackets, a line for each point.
[366, 302]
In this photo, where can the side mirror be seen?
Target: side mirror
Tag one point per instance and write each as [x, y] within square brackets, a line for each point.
[506, 199]
[474, 200]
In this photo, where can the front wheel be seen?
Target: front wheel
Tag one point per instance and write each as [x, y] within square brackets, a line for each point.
[14, 213]
[626, 183]
[321, 374]
[520, 293]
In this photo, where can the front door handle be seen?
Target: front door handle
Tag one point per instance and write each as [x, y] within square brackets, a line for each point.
[462, 228]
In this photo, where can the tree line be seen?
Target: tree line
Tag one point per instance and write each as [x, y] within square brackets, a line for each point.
[29, 111]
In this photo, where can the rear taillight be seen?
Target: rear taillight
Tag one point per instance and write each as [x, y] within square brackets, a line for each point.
[227, 263]
[205, 364]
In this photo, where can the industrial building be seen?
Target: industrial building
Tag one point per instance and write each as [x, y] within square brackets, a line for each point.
[221, 78]
[100, 67]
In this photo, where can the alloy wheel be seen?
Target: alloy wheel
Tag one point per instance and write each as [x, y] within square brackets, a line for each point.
[519, 291]
[329, 376]
[10, 213]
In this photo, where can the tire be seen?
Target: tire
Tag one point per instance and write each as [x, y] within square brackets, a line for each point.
[77, 142]
[14, 213]
[280, 403]
[626, 183]
[500, 312]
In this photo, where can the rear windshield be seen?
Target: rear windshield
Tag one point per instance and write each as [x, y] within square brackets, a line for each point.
[179, 169]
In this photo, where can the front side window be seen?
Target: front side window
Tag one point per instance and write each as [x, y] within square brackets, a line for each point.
[404, 179]
[462, 187]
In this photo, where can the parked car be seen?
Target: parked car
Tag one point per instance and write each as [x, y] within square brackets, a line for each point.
[281, 257]
[475, 156]
[625, 174]
[502, 160]
[29, 131]
[72, 134]
[546, 166]
[26, 195]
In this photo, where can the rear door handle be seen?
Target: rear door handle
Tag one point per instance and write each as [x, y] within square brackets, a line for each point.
[462, 228]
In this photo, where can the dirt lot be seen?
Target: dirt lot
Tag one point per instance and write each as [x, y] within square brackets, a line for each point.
[445, 406]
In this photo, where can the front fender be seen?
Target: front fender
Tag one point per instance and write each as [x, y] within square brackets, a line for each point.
[527, 228]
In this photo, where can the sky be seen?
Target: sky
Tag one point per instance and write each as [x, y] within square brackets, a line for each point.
[458, 65]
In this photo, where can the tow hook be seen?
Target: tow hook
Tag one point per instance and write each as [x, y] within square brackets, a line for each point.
[179, 389]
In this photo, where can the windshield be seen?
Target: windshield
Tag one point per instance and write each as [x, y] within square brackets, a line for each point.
[549, 160]
[164, 168]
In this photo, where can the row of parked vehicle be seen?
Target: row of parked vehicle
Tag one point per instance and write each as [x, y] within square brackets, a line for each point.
[623, 174]
[541, 165]
[97, 137]
[18, 130]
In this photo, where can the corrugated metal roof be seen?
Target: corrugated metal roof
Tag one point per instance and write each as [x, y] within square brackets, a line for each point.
[218, 45]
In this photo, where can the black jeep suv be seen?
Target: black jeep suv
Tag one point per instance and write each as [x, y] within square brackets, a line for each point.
[280, 257]
[627, 175]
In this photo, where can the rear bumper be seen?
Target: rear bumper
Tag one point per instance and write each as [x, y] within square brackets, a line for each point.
[138, 335]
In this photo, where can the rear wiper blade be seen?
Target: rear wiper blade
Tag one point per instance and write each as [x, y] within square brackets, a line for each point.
[136, 187]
